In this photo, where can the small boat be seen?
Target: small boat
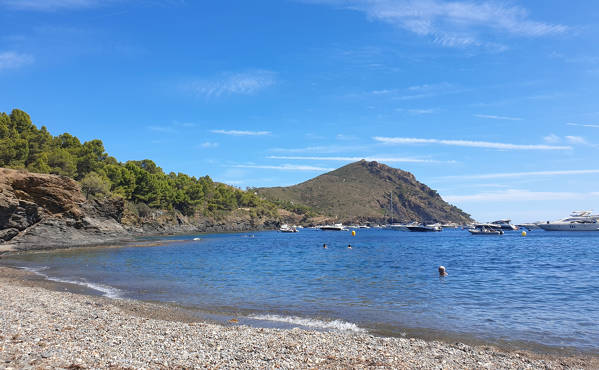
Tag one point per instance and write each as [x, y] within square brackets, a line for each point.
[424, 228]
[288, 229]
[335, 227]
[578, 221]
[529, 226]
[485, 229]
[505, 224]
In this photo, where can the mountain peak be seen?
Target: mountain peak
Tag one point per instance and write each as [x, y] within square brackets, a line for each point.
[369, 191]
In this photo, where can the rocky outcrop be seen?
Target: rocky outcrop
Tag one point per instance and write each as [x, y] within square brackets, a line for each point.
[41, 211]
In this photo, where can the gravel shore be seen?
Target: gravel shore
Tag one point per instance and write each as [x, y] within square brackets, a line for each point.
[41, 327]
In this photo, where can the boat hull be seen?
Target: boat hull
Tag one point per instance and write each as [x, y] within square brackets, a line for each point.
[570, 227]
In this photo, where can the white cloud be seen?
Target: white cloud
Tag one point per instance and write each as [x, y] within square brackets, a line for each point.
[247, 83]
[490, 116]
[284, 167]
[582, 125]
[241, 132]
[48, 5]
[163, 129]
[525, 174]
[320, 149]
[468, 143]
[576, 140]
[354, 159]
[511, 195]
[209, 144]
[13, 60]
[453, 23]
[552, 139]
[417, 111]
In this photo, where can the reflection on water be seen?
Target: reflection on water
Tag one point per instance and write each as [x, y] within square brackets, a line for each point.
[541, 288]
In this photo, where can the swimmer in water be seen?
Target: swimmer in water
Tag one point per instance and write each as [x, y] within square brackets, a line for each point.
[349, 246]
[324, 246]
[442, 271]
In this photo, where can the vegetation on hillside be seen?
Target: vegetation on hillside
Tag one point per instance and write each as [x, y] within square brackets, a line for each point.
[368, 191]
[24, 146]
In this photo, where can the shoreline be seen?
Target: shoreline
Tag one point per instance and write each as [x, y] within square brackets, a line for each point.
[44, 325]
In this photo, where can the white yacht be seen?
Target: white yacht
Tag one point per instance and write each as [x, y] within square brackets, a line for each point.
[505, 224]
[287, 229]
[335, 227]
[578, 221]
[424, 228]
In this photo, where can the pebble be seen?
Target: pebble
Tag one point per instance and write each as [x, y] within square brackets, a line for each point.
[110, 334]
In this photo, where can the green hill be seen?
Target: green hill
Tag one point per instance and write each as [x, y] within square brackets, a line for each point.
[361, 191]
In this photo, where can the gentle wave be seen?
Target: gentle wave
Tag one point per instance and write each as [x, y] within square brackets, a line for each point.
[311, 323]
[106, 290]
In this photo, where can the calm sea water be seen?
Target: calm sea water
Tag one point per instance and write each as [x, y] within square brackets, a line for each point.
[542, 288]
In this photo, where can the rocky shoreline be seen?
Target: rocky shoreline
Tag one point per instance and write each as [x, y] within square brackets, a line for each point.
[41, 211]
[43, 326]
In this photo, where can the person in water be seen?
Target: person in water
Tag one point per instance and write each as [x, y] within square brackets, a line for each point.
[349, 246]
[324, 246]
[442, 271]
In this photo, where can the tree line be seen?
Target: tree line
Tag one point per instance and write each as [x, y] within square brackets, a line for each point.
[24, 146]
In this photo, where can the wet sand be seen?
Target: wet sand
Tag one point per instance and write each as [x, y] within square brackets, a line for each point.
[48, 324]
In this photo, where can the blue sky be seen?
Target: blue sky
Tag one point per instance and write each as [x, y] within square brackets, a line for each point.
[492, 103]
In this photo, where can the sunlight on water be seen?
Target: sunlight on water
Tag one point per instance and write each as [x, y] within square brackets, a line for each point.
[541, 288]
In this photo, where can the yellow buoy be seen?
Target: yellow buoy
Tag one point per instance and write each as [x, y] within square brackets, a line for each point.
[523, 233]
[353, 233]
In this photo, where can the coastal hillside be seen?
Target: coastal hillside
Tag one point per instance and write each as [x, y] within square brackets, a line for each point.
[369, 191]
[57, 191]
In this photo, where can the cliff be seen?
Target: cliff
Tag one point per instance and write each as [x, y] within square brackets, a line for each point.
[41, 211]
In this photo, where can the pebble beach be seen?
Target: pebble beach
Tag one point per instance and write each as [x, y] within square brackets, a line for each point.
[44, 326]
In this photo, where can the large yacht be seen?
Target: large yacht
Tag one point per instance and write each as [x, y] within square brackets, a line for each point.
[424, 228]
[505, 224]
[578, 221]
[335, 227]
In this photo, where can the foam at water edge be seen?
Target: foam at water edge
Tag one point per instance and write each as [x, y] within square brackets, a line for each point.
[311, 323]
[108, 291]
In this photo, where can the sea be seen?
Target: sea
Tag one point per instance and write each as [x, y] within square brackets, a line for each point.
[539, 291]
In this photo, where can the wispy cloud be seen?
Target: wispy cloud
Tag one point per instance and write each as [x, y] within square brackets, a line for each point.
[163, 129]
[490, 116]
[209, 144]
[582, 125]
[48, 5]
[453, 23]
[354, 159]
[469, 143]
[518, 195]
[504, 175]
[240, 132]
[552, 139]
[328, 149]
[284, 167]
[247, 83]
[13, 60]
[417, 111]
[576, 140]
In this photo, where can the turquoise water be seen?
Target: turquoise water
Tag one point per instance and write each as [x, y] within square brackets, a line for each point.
[542, 288]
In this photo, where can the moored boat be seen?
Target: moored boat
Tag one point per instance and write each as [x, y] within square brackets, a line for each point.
[505, 224]
[578, 221]
[334, 227]
[424, 228]
[485, 229]
[288, 229]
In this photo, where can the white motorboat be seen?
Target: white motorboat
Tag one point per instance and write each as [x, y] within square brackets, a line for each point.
[485, 229]
[424, 228]
[529, 226]
[578, 221]
[335, 227]
[505, 224]
[288, 229]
